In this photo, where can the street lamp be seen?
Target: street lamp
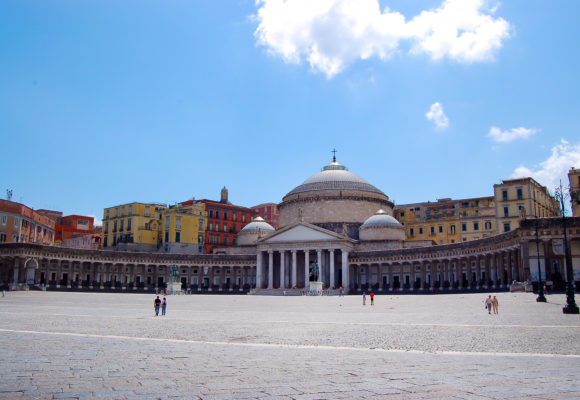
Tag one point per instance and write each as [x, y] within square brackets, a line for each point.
[571, 307]
[541, 298]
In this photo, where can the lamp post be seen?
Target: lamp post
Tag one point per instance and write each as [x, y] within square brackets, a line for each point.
[571, 307]
[541, 298]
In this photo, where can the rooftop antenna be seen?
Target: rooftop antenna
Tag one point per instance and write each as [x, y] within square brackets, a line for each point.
[9, 194]
[333, 155]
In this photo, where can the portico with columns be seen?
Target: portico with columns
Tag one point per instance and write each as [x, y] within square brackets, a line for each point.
[284, 258]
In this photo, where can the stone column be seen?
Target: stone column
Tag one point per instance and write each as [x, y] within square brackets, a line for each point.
[345, 269]
[282, 269]
[331, 286]
[306, 269]
[469, 274]
[487, 267]
[259, 271]
[270, 269]
[502, 269]
[390, 267]
[294, 282]
[509, 267]
[199, 278]
[222, 277]
[319, 261]
[380, 276]
[16, 271]
[478, 271]
[423, 274]
[155, 270]
[81, 270]
[433, 272]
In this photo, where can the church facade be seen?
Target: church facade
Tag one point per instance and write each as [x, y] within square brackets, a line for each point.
[334, 219]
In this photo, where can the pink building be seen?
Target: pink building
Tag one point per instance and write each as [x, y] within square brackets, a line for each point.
[269, 211]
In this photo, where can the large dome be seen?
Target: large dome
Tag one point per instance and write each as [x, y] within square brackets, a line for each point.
[256, 229]
[335, 176]
[382, 226]
[334, 199]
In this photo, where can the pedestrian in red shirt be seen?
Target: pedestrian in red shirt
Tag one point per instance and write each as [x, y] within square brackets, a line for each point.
[372, 299]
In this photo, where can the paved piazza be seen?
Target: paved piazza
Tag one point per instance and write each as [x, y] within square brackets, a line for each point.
[111, 346]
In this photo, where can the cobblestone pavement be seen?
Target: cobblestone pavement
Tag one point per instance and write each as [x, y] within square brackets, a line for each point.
[111, 346]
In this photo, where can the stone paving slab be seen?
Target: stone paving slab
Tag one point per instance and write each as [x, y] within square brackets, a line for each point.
[110, 346]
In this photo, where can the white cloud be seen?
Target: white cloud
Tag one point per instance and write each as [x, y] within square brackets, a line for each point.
[97, 220]
[331, 34]
[437, 115]
[555, 168]
[497, 135]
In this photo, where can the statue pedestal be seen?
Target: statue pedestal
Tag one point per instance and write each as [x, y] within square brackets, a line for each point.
[315, 287]
[174, 288]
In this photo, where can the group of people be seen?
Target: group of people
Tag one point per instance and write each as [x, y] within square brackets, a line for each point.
[492, 304]
[371, 295]
[158, 303]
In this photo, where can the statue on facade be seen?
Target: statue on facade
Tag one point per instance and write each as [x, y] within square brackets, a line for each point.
[314, 272]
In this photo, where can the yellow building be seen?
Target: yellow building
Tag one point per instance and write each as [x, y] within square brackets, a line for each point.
[133, 226]
[183, 228]
[448, 221]
[516, 199]
[574, 179]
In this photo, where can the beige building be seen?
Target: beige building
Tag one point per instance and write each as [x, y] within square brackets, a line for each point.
[574, 179]
[448, 221]
[516, 199]
[183, 229]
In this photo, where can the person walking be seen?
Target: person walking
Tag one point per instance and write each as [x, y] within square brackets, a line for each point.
[372, 295]
[495, 305]
[163, 306]
[340, 291]
[488, 304]
[156, 304]
[364, 298]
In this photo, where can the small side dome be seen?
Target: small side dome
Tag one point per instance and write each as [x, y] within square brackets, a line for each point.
[250, 233]
[258, 224]
[381, 226]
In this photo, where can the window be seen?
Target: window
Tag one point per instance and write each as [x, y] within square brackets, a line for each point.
[116, 212]
[166, 236]
[200, 222]
[402, 213]
[16, 222]
[217, 239]
[226, 240]
[225, 227]
[210, 227]
[178, 222]
[106, 227]
[506, 211]
[122, 211]
[114, 226]
[243, 217]
[452, 229]
[211, 213]
[476, 226]
[225, 215]
[217, 214]
[107, 214]
[412, 232]
[177, 237]
[504, 194]
[487, 225]
[440, 229]
[520, 193]
[105, 242]
[432, 230]
[167, 222]
[463, 227]
[506, 227]
[146, 211]
[129, 224]
[234, 241]
[199, 238]
[420, 231]
[130, 209]
[4, 219]
[234, 216]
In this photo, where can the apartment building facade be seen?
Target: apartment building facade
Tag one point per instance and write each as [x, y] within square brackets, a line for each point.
[22, 224]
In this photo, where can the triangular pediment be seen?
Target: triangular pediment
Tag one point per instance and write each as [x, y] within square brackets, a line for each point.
[301, 233]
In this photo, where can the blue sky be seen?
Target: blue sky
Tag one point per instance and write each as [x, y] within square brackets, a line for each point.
[109, 102]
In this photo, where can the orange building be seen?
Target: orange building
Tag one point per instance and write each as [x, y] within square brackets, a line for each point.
[19, 223]
[73, 225]
[225, 220]
[270, 213]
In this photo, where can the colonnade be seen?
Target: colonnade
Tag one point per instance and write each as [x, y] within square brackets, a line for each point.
[66, 273]
[492, 270]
